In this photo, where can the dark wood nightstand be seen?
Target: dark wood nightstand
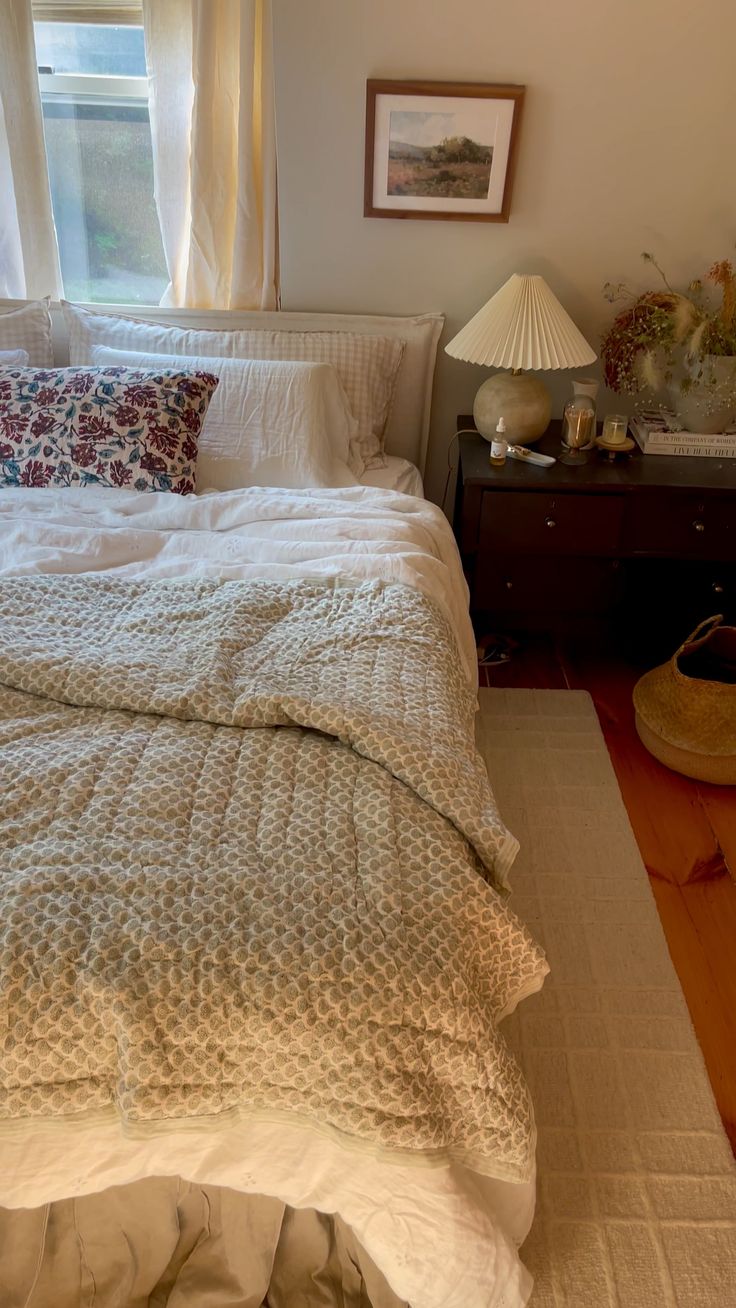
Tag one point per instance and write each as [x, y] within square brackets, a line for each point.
[647, 541]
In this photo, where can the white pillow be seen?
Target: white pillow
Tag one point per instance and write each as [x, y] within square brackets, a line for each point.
[14, 359]
[29, 329]
[367, 365]
[269, 423]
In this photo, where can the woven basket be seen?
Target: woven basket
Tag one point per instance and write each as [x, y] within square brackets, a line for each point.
[686, 709]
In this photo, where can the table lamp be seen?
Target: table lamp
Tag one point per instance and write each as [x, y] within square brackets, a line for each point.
[522, 327]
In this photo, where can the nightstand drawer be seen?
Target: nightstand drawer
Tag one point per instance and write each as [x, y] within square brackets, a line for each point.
[671, 596]
[550, 524]
[684, 525]
[516, 587]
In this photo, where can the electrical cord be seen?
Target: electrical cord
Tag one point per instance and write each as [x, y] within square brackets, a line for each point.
[452, 467]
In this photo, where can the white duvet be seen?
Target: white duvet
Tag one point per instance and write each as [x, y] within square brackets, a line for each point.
[444, 1237]
[352, 534]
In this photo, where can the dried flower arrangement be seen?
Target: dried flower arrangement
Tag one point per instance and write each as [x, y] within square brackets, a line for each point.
[665, 335]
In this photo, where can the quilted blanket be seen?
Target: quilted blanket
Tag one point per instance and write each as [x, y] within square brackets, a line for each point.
[250, 864]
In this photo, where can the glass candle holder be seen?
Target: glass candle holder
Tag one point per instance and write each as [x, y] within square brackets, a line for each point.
[615, 426]
[578, 430]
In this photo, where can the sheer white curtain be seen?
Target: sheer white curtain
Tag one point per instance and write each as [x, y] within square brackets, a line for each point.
[29, 257]
[212, 121]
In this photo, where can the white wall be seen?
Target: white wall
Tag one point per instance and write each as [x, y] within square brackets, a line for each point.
[628, 143]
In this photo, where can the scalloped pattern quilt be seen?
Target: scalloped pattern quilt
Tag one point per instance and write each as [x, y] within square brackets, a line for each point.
[250, 863]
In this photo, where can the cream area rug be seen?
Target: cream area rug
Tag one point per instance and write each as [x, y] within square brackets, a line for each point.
[637, 1183]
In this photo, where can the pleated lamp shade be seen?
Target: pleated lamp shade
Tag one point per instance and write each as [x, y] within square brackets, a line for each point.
[523, 328]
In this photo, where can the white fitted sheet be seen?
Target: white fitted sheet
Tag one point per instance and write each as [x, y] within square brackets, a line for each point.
[398, 475]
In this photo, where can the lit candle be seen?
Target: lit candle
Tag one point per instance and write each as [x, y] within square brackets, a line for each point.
[614, 428]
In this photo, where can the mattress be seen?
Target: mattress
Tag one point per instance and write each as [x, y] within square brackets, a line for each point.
[443, 1235]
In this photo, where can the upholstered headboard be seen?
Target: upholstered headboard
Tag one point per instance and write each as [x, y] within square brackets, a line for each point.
[408, 425]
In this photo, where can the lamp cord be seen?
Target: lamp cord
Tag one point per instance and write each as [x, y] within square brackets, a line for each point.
[452, 467]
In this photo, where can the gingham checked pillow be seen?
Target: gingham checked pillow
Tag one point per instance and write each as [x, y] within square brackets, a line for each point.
[367, 365]
[29, 329]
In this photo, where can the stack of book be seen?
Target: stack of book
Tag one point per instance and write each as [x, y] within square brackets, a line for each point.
[654, 433]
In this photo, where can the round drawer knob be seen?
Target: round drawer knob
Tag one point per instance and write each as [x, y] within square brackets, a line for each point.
[717, 588]
[550, 522]
[699, 525]
[509, 585]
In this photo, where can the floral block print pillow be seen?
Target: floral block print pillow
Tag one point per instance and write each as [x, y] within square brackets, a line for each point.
[128, 428]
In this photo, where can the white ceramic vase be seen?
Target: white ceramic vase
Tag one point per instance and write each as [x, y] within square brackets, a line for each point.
[708, 405]
[585, 387]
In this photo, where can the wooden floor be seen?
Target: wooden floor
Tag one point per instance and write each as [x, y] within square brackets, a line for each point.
[686, 831]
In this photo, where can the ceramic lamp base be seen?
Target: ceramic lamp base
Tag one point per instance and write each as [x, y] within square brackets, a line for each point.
[521, 399]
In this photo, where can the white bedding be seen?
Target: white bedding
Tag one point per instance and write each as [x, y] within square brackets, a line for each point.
[355, 533]
[270, 422]
[443, 1236]
[398, 475]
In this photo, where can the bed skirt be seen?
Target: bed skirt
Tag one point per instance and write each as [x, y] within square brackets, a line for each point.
[166, 1243]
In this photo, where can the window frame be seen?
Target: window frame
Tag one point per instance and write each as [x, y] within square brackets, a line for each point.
[95, 88]
[98, 88]
[115, 14]
[106, 90]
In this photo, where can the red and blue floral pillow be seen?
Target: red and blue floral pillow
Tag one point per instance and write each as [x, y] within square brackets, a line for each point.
[126, 428]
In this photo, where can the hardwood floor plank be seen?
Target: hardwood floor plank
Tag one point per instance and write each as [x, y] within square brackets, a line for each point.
[699, 921]
[719, 803]
[534, 663]
[675, 837]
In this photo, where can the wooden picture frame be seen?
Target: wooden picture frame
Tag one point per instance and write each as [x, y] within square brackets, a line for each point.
[423, 158]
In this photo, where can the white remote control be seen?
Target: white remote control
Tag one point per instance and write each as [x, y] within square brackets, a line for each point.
[524, 455]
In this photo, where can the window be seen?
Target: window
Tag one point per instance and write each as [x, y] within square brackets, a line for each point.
[94, 94]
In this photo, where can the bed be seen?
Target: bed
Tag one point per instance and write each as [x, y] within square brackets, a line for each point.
[256, 944]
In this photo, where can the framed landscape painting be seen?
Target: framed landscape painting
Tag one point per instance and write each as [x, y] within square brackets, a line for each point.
[440, 150]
